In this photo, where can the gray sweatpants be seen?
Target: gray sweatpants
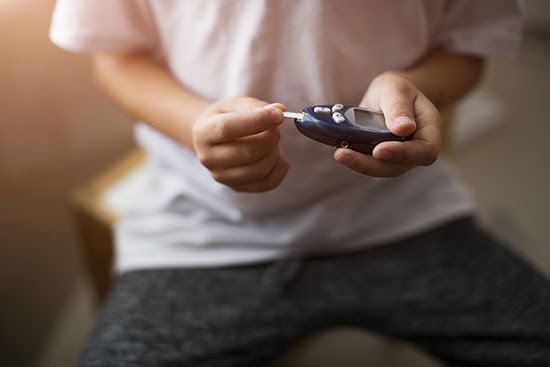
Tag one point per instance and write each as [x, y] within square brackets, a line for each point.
[454, 291]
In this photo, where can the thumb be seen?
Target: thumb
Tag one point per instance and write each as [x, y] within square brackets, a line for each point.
[399, 116]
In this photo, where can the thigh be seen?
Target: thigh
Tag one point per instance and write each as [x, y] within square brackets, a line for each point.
[193, 318]
[456, 292]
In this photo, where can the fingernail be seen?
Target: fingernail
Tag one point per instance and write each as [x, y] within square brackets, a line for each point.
[276, 116]
[344, 159]
[272, 106]
[402, 120]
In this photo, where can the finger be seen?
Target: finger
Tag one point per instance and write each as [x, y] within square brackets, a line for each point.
[240, 151]
[276, 105]
[251, 172]
[415, 152]
[397, 105]
[245, 104]
[424, 147]
[229, 126]
[368, 165]
[270, 182]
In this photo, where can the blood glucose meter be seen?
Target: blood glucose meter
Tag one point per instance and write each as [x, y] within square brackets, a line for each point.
[356, 128]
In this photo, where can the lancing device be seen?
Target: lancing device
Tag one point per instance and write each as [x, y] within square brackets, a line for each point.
[356, 128]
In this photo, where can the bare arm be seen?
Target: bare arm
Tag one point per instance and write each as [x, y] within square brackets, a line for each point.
[444, 77]
[146, 91]
[235, 138]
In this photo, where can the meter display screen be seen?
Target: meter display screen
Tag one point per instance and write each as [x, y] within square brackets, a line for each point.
[366, 119]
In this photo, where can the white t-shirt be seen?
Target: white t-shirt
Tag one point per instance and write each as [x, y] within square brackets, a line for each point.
[300, 53]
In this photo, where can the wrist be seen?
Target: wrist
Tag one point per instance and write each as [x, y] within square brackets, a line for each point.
[188, 116]
[443, 76]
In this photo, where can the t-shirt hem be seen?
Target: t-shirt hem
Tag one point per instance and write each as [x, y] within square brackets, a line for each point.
[199, 257]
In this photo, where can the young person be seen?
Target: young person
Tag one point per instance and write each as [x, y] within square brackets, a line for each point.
[251, 236]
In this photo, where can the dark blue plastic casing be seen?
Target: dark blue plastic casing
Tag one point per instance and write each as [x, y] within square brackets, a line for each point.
[322, 127]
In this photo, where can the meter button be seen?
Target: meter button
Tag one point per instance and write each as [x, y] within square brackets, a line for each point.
[338, 118]
[324, 110]
[337, 107]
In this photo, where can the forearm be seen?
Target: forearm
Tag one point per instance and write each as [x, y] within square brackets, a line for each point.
[444, 76]
[145, 90]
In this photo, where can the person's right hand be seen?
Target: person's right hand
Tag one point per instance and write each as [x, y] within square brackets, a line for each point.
[237, 139]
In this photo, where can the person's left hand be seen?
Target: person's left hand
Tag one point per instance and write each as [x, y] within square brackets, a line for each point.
[407, 111]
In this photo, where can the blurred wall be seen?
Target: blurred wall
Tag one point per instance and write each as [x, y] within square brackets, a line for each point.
[56, 130]
[537, 17]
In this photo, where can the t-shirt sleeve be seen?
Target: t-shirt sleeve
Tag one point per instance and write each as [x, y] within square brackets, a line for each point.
[480, 27]
[102, 26]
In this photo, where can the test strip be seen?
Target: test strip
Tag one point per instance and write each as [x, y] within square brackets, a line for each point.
[293, 115]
